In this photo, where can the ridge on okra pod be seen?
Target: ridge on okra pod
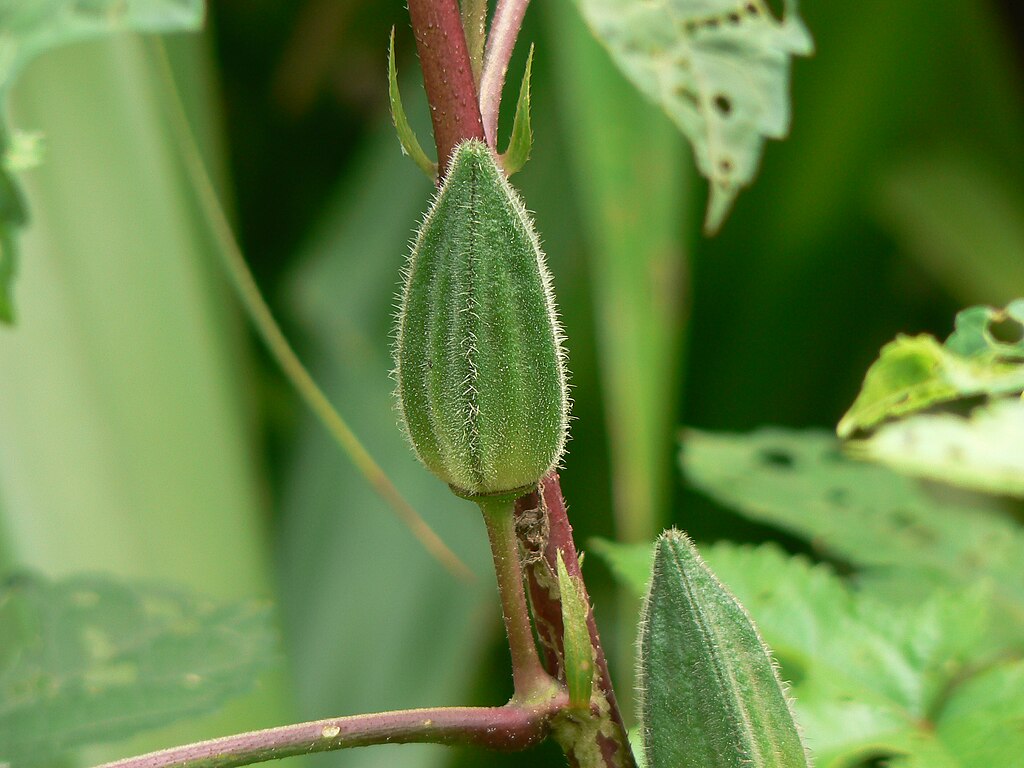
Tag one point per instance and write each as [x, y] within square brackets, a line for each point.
[480, 362]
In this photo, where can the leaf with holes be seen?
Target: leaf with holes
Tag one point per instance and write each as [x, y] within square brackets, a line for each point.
[28, 29]
[89, 659]
[981, 331]
[863, 513]
[983, 451]
[719, 68]
[918, 685]
[983, 357]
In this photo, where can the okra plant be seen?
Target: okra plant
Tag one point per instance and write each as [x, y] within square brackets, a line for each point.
[482, 386]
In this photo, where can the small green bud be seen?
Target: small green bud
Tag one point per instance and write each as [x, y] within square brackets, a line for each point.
[711, 695]
[479, 358]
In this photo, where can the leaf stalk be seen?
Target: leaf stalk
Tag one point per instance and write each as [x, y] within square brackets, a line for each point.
[501, 41]
[510, 728]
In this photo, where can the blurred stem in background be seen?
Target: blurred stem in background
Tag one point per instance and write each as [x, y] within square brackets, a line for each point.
[126, 445]
[277, 344]
[632, 178]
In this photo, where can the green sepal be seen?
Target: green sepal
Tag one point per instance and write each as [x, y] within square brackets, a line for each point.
[406, 136]
[481, 378]
[521, 142]
[578, 650]
[711, 695]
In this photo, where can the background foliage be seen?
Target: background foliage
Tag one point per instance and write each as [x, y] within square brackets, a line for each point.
[142, 434]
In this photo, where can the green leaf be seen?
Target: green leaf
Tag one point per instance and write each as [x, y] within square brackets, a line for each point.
[711, 695]
[983, 451]
[521, 141]
[579, 654]
[719, 68]
[406, 135]
[90, 659]
[28, 29]
[871, 680]
[983, 720]
[32, 28]
[147, 490]
[975, 330]
[914, 373]
[863, 513]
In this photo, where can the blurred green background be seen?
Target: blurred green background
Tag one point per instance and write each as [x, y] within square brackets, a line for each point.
[143, 432]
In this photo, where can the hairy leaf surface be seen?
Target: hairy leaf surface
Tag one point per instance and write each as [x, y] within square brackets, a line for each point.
[90, 659]
[719, 68]
[711, 694]
[870, 679]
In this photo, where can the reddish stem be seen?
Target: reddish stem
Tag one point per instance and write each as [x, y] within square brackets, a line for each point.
[501, 40]
[547, 609]
[447, 75]
[509, 728]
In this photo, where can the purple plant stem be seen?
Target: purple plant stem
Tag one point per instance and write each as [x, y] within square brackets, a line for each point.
[509, 728]
[547, 609]
[501, 40]
[447, 75]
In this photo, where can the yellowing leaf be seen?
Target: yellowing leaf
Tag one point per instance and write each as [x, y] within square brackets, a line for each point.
[984, 451]
[984, 356]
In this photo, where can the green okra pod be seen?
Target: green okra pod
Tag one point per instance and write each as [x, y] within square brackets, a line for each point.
[479, 358]
[711, 696]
